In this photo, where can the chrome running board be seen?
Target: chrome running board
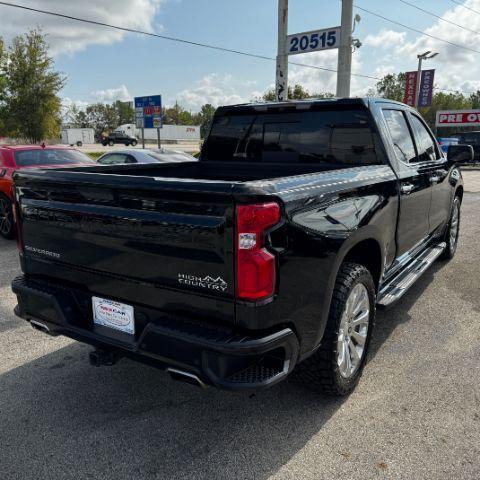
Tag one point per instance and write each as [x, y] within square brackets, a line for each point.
[399, 285]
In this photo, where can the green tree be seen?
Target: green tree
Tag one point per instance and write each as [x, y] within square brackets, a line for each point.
[77, 117]
[103, 118]
[391, 86]
[177, 115]
[3, 86]
[125, 112]
[204, 118]
[297, 92]
[32, 104]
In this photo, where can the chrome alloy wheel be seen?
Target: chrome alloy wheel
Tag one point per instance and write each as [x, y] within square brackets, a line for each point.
[454, 225]
[353, 330]
[5, 218]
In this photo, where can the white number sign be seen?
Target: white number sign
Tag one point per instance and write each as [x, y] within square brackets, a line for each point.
[313, 41]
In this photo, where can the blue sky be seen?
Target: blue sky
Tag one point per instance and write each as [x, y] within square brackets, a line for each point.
[105, 65]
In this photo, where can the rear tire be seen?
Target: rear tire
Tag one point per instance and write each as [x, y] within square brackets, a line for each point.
[453, 230]
[7, 227]
[336, 367]
[79, 144]
[111, 143]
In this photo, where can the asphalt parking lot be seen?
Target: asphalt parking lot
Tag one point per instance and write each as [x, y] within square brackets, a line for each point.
[414, 415]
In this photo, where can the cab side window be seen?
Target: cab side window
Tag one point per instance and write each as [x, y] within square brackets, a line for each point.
[401, 137]
[427, 149]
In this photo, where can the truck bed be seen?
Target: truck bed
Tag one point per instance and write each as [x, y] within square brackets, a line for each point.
[218, 171]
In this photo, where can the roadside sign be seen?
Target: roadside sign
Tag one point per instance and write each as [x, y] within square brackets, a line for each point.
[458, 118]
[426, 88]
[410, 88]
[148, 112]
[313, 41]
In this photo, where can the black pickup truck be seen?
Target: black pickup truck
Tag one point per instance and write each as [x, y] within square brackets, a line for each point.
[266, 257]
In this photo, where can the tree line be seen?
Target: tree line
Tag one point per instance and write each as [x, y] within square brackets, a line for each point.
[31, 108]
[104, 117]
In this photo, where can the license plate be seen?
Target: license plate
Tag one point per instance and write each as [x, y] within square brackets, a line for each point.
[113, 315]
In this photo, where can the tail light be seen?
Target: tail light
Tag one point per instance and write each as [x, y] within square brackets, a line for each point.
[16, 221]
[256, 270]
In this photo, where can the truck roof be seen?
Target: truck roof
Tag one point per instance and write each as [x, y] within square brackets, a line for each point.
[300, 104]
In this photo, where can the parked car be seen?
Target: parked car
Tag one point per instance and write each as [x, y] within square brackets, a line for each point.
[445, 142]
[20, 157]
[473, 139]
[146, 155]
[118, 137]
[269, 254]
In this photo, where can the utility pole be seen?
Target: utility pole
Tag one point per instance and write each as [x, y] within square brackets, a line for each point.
[281, 84]
[345, 50]
[424, 56]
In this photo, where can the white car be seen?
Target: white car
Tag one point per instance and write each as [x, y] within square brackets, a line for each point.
[147, 155]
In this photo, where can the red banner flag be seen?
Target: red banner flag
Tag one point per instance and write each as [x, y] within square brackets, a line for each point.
[410, 88]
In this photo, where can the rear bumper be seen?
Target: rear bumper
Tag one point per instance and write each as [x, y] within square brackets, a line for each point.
[217, 355]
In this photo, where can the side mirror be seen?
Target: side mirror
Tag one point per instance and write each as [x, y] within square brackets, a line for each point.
[460, 154]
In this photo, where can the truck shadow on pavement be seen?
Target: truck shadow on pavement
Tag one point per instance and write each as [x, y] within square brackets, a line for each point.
[61, 418]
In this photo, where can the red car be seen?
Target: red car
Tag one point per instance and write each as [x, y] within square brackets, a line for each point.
[19, 157]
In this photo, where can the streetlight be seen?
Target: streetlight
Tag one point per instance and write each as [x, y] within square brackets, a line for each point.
[424, 56]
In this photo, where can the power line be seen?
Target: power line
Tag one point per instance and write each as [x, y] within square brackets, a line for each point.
[216, 47]
[439, 17]
[173, 39]
[465, 47]
[464, 6]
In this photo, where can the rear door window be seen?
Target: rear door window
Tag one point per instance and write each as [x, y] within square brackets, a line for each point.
[426, 146]
[401, 136]
[114, 159]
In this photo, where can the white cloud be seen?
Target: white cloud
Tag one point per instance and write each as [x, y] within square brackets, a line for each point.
[110, 95]
[385, 39]
[324, 81]
[69, 36]
[456, 67]
[215, 89]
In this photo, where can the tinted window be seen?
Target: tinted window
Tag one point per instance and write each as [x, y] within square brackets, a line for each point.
[331, 136]
[30, 158]
[427, 150]
[402, 140]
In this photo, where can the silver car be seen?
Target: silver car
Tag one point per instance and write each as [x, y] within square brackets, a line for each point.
[147, 155]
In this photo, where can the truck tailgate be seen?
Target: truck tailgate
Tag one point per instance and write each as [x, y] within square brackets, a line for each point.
[169, 236]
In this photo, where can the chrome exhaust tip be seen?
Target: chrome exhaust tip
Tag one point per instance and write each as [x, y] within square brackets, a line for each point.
[41, 327]
[186, 377]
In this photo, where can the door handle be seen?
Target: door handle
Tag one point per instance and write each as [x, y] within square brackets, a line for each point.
[407, 188]
[434, 179]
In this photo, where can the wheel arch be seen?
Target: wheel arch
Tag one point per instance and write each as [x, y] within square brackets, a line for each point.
[459, 193]
[367, 252]
[365, 248]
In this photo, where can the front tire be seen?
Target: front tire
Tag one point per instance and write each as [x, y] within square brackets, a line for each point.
[336, 367]
[134, 143]
[111, 143]
[7, 228]
[453, 230]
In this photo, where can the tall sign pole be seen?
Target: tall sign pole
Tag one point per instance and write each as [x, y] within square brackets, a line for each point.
[345, 50]
[419, 80]
[281, 84]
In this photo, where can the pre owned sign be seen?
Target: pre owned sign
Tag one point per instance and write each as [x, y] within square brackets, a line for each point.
[453, 118]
